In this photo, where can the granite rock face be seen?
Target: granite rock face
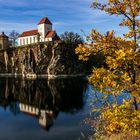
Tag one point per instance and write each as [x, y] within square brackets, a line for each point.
[49, 59]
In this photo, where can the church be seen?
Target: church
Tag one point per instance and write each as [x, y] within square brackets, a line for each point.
[43, 33]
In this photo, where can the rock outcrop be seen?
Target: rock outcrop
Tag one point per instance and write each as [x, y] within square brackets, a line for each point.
[41, 59]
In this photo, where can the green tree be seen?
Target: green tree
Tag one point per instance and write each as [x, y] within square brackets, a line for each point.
[122, 73]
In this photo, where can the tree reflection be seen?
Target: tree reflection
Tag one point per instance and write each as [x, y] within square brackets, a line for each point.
[42, 98]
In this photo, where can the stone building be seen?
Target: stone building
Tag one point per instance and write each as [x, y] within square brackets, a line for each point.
[43, 33]
[4, 41]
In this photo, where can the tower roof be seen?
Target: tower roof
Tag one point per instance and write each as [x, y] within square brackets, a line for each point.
[2, 35]
[45, 20]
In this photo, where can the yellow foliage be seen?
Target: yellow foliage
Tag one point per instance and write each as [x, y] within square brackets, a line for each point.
[121, 119]
[122, 56]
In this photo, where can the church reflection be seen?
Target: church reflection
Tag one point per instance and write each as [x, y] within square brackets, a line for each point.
[42, 98]
[45, 116]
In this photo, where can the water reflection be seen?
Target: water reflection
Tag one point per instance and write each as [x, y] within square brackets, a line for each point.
[42, 98]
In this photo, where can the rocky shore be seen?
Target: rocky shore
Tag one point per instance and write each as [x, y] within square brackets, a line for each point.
[41, 60]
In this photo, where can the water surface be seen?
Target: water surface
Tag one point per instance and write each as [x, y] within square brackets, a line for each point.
[44, 109]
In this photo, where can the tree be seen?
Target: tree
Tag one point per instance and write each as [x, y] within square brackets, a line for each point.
[71, 38]
[122, 56]
[13, 36]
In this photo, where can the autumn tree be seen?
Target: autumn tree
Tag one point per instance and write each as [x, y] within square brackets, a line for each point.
[122, 56]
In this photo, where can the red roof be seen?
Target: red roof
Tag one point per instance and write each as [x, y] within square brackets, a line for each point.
[50, 34]
[45, 20]
[29, 33]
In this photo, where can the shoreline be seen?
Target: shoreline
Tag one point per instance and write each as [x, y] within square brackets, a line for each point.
[35, 76]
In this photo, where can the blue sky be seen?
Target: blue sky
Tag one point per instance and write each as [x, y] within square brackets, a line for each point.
[66, 15]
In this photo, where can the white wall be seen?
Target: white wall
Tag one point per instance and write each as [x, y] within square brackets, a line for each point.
[48, 39]
[43, 29]
[27, 40]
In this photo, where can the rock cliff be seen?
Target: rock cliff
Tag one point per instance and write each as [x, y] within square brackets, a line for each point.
[41, 59]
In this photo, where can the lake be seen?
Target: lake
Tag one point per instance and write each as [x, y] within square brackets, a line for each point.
[44, 109]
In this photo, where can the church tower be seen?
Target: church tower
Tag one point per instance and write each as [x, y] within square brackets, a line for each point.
[44, 26]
